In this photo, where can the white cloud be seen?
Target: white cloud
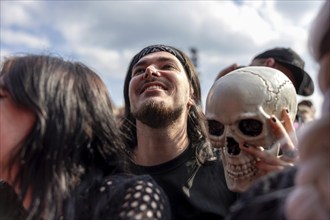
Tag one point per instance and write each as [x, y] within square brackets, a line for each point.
[22, 38]
[107, 62]
[19, 13]
[106, 34]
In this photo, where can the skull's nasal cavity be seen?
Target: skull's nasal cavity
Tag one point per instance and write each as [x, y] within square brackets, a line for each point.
[232, 146]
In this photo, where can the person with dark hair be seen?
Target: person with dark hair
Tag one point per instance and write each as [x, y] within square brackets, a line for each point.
[61, 154]
[287, 61]
[166, 133]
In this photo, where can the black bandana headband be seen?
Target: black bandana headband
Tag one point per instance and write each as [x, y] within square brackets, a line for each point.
[158, 48]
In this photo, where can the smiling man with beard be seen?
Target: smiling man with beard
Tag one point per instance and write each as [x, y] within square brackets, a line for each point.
[156, 115]
[165, 133]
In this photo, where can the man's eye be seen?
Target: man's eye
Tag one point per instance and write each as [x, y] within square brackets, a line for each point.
[138, 71]
[215, 128]
[168, 67]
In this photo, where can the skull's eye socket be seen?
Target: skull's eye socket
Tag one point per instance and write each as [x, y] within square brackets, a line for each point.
[250, 127]
[215, 128]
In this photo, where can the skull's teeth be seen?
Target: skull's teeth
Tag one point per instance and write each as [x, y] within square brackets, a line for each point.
[242, 171]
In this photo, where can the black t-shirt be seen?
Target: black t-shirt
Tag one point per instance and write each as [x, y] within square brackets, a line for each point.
[194, 191]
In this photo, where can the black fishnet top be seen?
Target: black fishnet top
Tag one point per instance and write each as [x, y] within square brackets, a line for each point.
[118, 197]
[127, 197]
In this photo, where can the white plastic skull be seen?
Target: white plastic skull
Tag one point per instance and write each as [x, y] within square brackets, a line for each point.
[238, 108]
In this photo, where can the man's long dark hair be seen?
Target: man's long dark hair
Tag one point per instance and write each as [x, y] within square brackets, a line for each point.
[197, 131]
[74, 135]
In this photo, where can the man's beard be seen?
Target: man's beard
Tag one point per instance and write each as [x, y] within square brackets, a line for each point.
[156, 115]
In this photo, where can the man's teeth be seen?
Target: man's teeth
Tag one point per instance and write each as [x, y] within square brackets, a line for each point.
[154, 87]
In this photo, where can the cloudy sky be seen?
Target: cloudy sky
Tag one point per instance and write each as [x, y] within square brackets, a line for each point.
[106, 34]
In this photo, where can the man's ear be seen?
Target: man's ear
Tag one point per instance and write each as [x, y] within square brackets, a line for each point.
[191, 101]
[270, 62]
[191, 98]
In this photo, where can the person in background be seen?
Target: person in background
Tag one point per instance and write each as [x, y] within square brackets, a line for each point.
[310, 198]
[62, 156]
[306, 113]
[301, 192]
[166, 133]
[287, 61]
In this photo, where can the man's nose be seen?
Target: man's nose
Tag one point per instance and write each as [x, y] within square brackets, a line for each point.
[151, 71]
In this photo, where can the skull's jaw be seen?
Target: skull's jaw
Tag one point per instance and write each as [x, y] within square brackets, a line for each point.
[240, 183]
[240, 166]
[240, 177]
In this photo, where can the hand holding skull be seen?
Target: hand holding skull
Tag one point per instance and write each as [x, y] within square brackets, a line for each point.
[287, 142]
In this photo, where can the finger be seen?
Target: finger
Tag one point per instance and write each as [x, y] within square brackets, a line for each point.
[264, 156]
[290, 157]
[286, 144]
[226, 70]
[267, 168]
[278, 129]
[255, 152]
[289, 126]
[265, 161]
